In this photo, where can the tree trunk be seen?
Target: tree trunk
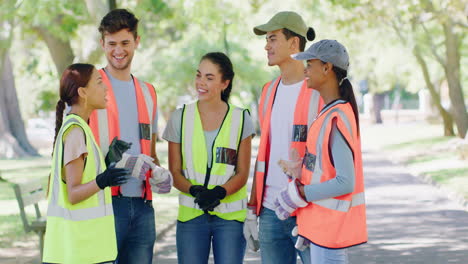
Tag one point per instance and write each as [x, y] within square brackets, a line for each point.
[97, 9]
[60, 50]
[13, 140]
[446, 116]
[378, 101]
[452, 72]
[112, 4]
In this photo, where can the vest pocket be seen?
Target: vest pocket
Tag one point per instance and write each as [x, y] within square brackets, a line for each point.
[309, 161]
[299, 133]
[226, 156]
[145, 132]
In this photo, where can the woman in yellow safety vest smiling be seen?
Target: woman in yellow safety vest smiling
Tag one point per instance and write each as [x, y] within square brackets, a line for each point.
[80, 220]
[329, 196]
[209, 157]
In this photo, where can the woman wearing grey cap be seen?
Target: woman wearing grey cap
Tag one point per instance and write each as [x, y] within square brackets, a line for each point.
[328, 195]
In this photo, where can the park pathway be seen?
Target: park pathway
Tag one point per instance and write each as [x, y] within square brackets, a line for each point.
[409, 221]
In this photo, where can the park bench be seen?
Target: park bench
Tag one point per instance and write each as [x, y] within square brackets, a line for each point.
[31, 193]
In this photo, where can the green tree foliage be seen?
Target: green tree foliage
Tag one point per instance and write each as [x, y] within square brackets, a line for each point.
[434, 32]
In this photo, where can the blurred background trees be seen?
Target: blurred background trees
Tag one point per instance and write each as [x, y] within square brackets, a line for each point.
[398, 48]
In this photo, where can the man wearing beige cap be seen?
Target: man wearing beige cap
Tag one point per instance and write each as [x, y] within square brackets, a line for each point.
[286, 110]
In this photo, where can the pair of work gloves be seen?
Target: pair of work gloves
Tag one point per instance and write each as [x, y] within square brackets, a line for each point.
[136, 166]
[161, 179]
[114, 176]
[251, 233]
[207, 199]
[288, 200]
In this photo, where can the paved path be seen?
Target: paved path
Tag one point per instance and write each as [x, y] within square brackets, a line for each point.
[409, 221]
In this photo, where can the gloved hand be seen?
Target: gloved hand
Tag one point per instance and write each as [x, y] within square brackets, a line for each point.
[292, 167]
[209, 199]
[196, 189]
[288, 201]
[112, 176]
[139, 165]
[116, 149]
[161, 180]
[301, 243]
[251, 230]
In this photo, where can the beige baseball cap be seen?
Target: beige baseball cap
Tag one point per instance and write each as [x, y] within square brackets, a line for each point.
[286, 19]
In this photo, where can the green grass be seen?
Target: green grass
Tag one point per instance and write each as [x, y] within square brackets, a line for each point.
[431, 157]
[11, 230]
[7, 165]
[420, 146]
[419, 143]
[447, 175]
[455, 179]
[6, 191]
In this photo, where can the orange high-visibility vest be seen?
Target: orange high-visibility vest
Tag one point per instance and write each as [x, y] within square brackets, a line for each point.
[337, 222]
[308, 104]
[105, 123]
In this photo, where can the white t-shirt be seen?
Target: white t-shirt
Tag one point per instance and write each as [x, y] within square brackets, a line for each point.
[282, 118]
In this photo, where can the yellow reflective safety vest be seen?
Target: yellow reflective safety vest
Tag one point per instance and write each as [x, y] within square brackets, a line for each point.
[223, 165]
[83, 232]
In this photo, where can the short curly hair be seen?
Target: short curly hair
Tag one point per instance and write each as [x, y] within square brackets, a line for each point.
[117, 20]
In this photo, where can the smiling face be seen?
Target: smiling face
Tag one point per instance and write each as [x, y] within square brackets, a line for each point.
[95, 92]
[119, 48]
[315, 73]
[209, 81]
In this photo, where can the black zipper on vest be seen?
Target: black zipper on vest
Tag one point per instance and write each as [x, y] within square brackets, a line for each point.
[208, 168]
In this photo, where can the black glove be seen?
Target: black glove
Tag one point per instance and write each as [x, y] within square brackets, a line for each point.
[112, 176]
[116, 149]
[196, 189]
[209, 199]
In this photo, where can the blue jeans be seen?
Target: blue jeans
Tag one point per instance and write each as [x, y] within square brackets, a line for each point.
[135, 230]
[194, 240]
[320, 255]
[276, 240]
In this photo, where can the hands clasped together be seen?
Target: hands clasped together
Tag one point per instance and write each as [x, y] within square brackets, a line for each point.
[207, 199]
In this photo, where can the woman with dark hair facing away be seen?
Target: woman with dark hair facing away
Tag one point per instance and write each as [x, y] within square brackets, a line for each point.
[328, 194]
[80, 220]
[209, 157]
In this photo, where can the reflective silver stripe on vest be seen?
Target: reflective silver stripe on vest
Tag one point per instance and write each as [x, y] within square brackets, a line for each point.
[341, 205]
[233, 141]
[54, 209]
[103, 130]
[190, 172]
[260, 166]
[79, 214]
[318, 161]
[188, 134]
[313, 107]
[149, 102]
[235, 122]
[267, 98]
[222, 208]
[214, 179]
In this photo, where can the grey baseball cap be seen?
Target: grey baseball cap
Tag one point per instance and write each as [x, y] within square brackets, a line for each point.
[326, 50]
[285, 19]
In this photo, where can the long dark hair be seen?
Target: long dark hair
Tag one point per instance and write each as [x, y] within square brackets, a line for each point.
[346, 92]
[75, 76]
[225, 67]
